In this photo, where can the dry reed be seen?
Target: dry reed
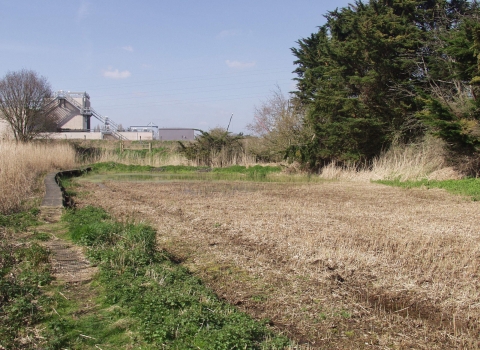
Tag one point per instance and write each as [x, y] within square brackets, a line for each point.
[224, 158]
[20, 166]
[425, 160]
[173, 157]
[107, 155]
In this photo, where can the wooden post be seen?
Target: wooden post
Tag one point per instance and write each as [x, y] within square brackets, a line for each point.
[150, 147]
[121, 147]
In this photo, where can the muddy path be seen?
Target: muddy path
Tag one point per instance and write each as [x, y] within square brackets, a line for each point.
[333, 266]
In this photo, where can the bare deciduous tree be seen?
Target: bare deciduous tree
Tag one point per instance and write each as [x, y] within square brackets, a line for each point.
[24, 96]
[278, 122]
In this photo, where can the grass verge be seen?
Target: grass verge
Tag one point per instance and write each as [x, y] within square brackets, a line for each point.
[466, 187]
[147, 300]
[113, 167]
[24, 270]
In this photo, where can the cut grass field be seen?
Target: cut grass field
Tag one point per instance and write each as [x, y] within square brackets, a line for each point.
[335, 265]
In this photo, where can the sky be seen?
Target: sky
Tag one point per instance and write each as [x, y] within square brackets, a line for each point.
[189, 64]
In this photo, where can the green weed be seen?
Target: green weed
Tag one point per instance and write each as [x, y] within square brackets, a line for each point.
[118, 167]
[466, 187]
[24, 270]
[20, 221]
[111, 167]
[171, 307]
[179, 169]
[41, 236]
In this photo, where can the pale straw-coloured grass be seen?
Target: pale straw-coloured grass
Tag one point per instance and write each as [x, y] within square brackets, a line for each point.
[222, 159]
[107, 155]
[173, 157]
[425, 160]
[21, 164]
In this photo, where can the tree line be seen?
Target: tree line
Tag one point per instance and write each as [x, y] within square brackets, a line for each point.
[375, 74]
[382, 72]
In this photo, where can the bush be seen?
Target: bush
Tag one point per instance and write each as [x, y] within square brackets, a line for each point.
[217, 147]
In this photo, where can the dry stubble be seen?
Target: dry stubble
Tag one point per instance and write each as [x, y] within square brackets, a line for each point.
[336, 265]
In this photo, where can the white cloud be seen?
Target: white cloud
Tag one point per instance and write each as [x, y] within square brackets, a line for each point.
[240, 65]
[116, 74]
[128, 48]
[227, 33]
[82, 11]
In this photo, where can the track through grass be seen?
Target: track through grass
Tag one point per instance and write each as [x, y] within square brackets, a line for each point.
[142, 292]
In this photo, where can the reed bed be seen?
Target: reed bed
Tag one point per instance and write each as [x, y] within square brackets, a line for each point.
[21, 164]
[425, 160]
[131, 158]
[173, 157]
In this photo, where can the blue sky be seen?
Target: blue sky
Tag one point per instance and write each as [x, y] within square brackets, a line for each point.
[174, 63]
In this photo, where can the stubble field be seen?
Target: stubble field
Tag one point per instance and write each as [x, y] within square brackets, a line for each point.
[333, 265]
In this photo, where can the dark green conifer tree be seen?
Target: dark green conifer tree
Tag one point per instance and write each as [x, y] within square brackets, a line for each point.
[373, 71]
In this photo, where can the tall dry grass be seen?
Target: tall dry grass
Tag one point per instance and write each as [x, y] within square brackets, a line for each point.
[173, 157]
[425, 160]
[107, 155]
[22, 164]
[225, 158]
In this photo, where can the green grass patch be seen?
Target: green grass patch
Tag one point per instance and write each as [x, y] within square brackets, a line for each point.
[20, 221]
[179, 169]
[112, 167]
[162, 301]
[41, 236]
[82, 320]
[119, 172]
[465, 187]
[256, 171]
[24, 270]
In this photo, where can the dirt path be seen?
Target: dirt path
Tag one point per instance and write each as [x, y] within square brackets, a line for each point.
[334, 265]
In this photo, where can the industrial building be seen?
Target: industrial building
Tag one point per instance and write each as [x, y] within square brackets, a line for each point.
[74, 113]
